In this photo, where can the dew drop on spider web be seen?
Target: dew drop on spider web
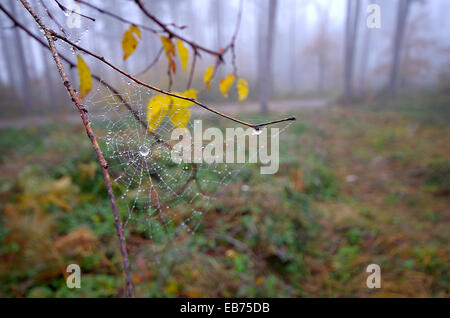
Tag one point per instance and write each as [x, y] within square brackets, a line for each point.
[144, 151]
[257, 131]
[108, 139]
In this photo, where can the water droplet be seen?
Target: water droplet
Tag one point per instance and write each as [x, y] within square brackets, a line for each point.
[257, 131]
[144, 151]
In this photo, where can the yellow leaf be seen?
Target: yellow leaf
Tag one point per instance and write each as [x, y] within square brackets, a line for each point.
[135, 30]
[129, 41]
[169, 48]
[225, 84]
[156, 110]
[184, 53]
[179, 114]
[242, 88]
[208, 76]
[190, 93]
[85, 77]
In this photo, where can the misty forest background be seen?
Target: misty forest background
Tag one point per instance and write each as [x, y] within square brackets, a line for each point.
[364, 171]
[305, 45]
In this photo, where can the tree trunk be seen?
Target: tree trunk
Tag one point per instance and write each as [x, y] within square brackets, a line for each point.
[293, 48]
[402, 17]
[12, 78]
[364, 60]
[351, 31]
[21, 63]
[217, 16]
[266, 49]
[321, 75]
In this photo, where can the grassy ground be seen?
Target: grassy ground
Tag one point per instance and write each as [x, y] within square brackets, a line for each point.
[358, 185]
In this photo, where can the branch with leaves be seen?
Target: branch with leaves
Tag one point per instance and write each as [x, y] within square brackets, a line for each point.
[130, 41]
[190, 97]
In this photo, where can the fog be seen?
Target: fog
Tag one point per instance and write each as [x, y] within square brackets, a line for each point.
[307, 57]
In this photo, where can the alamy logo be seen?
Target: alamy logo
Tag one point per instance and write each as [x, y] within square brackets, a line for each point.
[74, 279]
[374, 279]
[231, 149]
[374, 19]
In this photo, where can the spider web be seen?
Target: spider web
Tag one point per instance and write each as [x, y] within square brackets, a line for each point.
[163, 198]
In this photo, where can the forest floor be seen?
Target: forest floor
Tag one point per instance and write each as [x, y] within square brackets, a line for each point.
[357, 185]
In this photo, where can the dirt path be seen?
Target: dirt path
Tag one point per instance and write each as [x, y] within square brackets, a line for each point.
[278, 106]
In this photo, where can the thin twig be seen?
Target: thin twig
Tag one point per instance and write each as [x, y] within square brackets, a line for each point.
[236, 29]
[169, 75]
[66, 10]
[233, 40]
[115, 16]
[50, 15]
[91, 135]
[155, 60]
[173, 34]
[191, 74]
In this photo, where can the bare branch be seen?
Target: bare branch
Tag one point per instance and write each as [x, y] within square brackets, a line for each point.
[191, 74]
[118, 17]
[155, 60]
[115, 92]
[66, 10]
[173, 34]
